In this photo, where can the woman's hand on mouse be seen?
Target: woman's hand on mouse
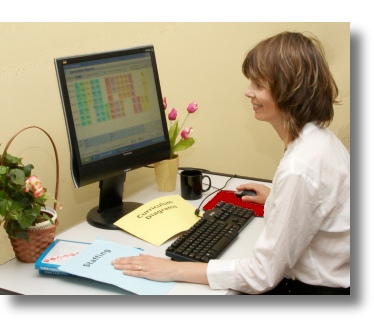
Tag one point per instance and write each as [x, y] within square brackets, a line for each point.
[261, 190]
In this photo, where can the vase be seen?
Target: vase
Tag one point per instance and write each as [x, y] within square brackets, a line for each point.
[41, 235]
[166, 174]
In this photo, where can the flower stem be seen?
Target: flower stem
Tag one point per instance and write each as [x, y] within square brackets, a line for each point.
[184, 122]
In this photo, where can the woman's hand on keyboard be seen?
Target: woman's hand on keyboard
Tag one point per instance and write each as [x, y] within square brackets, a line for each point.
[261, 190]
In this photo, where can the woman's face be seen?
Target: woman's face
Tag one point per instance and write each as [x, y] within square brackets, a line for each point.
[263, 104]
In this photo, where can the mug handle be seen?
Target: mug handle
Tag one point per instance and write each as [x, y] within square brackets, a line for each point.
[209, 185]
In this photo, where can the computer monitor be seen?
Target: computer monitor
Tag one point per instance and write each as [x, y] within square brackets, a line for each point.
[115, 122]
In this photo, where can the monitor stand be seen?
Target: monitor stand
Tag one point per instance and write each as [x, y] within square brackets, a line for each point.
[111, 206]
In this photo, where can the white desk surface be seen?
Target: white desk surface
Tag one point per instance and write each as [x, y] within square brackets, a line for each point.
[23, 278]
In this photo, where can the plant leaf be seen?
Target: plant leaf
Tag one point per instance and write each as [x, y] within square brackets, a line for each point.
[17, 176]
[3, 170]
[184, 144]
[173, 133]
[26, 218]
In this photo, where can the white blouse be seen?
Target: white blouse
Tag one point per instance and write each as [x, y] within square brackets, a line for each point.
[307, 213]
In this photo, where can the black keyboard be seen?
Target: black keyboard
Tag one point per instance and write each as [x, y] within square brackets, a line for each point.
[209, 237]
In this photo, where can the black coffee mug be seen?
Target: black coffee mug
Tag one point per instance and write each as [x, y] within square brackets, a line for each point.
[192, 184]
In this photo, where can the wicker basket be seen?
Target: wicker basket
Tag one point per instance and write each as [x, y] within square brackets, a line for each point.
[39, 239]
[40, 236]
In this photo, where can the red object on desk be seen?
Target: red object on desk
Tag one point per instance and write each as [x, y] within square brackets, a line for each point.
[229, 197]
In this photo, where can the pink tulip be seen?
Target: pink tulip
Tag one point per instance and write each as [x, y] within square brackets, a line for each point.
[186, 132]
[173, 114]
[192, 107]
[165, 103]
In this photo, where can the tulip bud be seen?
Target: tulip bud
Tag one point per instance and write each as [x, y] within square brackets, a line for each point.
[192, 107]
[165, 103]
[186, 132]
[173, 114]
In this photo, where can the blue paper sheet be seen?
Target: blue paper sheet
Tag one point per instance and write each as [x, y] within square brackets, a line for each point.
[94, 262]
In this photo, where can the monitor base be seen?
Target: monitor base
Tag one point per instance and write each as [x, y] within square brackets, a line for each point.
[105, 219]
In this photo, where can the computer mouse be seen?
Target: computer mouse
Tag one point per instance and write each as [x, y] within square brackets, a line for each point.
[245, 192]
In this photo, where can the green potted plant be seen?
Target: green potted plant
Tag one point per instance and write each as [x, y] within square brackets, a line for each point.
[24, 214]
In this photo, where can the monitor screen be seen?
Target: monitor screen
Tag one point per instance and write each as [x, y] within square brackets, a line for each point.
[115, 122]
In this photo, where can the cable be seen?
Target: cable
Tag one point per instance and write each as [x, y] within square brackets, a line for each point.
[197, 211]
[206, 171]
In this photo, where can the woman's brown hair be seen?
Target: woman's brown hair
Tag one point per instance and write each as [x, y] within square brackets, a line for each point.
[294, 69]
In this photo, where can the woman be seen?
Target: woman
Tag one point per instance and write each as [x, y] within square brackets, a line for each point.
[305, 245]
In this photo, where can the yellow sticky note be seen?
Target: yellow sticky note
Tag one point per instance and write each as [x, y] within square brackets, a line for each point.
[159, 220]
